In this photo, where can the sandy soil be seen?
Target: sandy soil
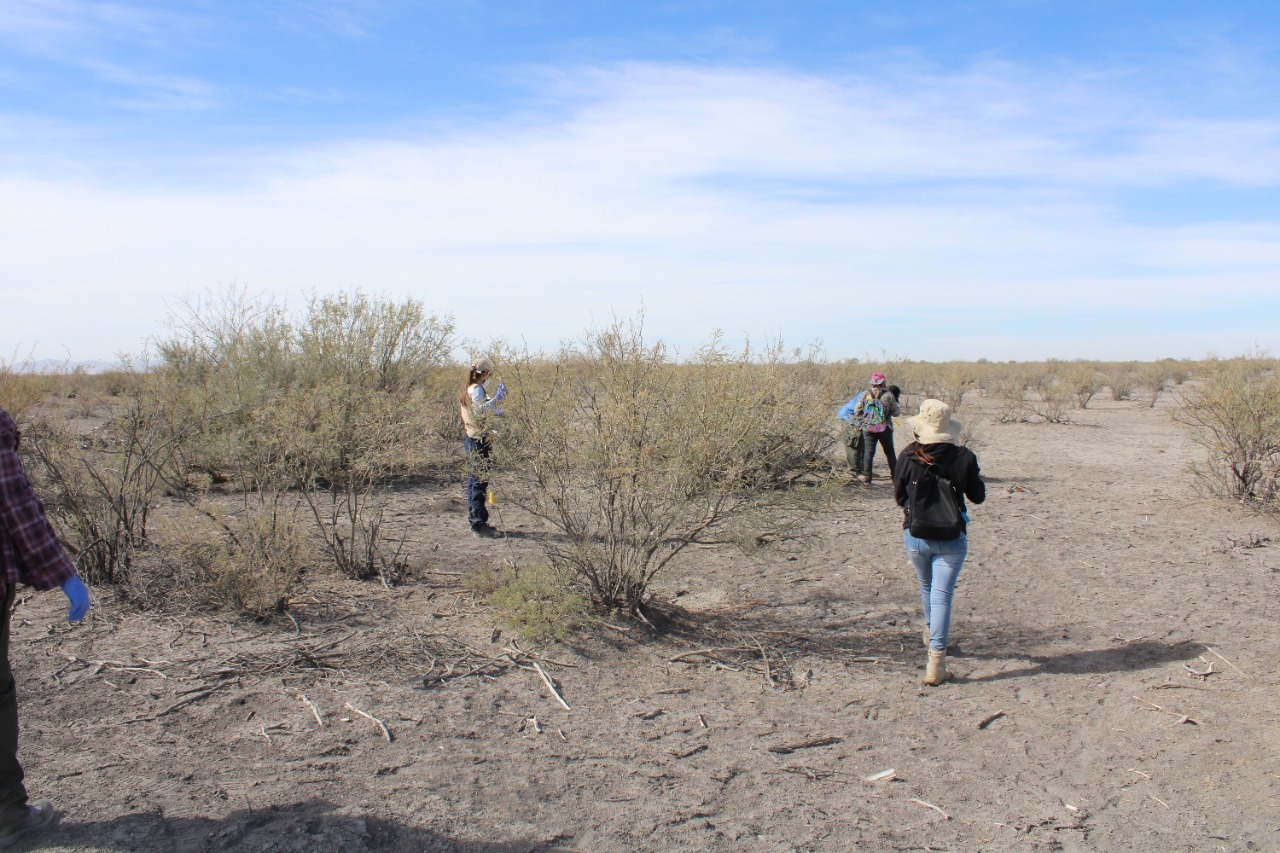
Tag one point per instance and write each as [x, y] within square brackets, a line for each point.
[1098, 585]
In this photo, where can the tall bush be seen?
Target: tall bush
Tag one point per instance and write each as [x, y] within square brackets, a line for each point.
[630, 457]
[330, 404]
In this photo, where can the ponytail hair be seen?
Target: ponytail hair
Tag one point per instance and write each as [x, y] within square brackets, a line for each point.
[921, 455]
[473, 378]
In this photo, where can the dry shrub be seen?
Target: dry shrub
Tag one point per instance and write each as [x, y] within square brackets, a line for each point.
[250, 561]
[631, 457]
[1235, 416]
[948, 383]
[1083, 382]
[1010, 395]
[1121, 380]
[99, 486]
[1051, 401]
[1152, 378]
[20, 389]
[332, 404]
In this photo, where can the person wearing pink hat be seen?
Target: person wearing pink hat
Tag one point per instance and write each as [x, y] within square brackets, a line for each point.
[936, 451]
[875, 412]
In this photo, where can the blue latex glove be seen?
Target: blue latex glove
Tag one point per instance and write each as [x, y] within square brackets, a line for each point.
[502, 391]
[78, 595]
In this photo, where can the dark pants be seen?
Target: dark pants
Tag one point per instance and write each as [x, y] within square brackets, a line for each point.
[885, 440]
[851, 438]
[13, 795]
[477, 466]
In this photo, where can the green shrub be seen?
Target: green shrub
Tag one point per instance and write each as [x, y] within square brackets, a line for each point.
[536, 601]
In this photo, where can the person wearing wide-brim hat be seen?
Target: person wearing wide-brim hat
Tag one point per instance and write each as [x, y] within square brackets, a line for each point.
[937, 562]
[875, 412]
[476, 407]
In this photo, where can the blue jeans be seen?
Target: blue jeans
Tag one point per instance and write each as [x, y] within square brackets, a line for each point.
[477, 464]
[937, 563]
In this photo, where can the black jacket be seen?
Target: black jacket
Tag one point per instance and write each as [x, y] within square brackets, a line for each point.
[957, 464]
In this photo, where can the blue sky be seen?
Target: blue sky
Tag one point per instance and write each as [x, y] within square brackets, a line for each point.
[933, 180]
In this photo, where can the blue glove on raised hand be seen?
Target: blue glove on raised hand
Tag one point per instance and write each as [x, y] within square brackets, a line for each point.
[502, 391]
[78, 595]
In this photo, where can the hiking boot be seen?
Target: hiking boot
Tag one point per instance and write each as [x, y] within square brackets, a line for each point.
[39, 815]
[936, 673]
[866, 478]
[483, 531]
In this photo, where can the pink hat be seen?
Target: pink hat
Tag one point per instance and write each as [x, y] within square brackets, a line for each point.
[877, 379]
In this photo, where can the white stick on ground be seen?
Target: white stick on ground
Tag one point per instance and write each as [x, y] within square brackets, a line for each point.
[386, 733]
[1227, 662]
[546, 679]
[315, 712]
[932, 806]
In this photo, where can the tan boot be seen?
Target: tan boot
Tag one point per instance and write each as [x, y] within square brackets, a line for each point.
[936, 673]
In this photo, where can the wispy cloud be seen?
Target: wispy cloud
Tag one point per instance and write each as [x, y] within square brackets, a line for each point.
[140, 90]
[750, 199]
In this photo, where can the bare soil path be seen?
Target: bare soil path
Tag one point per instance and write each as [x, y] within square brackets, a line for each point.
[1118, 689]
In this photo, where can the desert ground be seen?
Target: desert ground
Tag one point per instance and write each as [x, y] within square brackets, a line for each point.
[1118, 687]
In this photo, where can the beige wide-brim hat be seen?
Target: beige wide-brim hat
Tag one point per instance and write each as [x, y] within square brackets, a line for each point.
[934, 424]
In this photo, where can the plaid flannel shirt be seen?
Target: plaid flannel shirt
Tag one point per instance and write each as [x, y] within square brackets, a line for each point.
[29, 549]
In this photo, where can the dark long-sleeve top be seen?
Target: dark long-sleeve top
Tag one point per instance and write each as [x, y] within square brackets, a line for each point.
[957, 464]
[29, 550]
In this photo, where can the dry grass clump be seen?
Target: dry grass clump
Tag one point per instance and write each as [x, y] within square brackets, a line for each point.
[250, 561]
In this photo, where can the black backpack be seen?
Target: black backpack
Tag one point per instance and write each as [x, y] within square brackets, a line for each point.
[933, 510]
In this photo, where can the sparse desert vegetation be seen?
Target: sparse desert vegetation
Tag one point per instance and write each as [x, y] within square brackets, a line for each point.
[694, 632]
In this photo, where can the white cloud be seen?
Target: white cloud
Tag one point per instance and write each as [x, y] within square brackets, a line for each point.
[751, 200]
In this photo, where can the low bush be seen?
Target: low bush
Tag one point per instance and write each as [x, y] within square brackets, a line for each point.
[250, 561]
[536, 601]
[1235, 416]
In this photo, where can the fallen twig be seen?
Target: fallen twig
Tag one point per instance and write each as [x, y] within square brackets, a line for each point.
[386, 733]
[546, 679]
[1227, 662]
[315, 712]
[1182, 718]
[989, 719]
[808, 744]
[709, 652]
[932, 806]
[194, 697]
[1199, 673]
[699, 748]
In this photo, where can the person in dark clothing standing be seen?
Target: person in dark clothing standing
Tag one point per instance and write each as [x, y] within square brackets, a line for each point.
[937, 562]
[29, 553]
[875, 411]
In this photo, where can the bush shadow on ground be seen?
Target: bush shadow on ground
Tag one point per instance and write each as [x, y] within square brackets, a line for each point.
[312, 826]
[1123, 657]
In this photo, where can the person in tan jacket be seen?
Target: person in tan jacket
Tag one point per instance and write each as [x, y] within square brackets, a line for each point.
[475, 405]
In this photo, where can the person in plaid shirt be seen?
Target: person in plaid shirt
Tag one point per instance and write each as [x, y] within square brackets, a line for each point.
[29, 553]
